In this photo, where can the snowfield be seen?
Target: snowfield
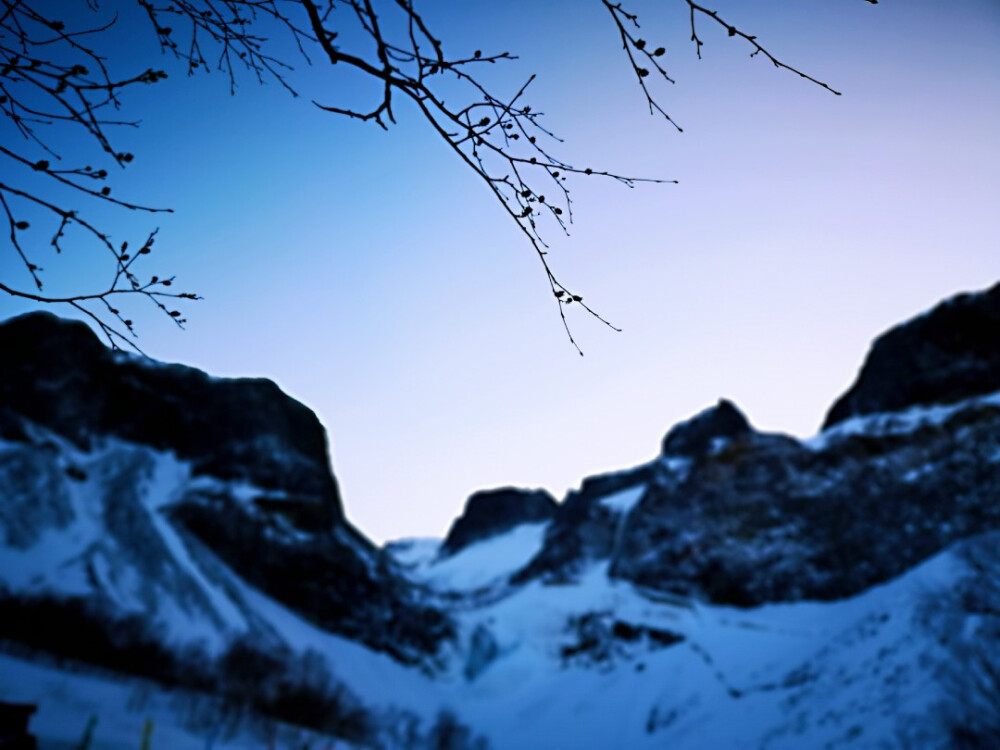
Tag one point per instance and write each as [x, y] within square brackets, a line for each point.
[591, 664]
[478, 566]
[599, 664]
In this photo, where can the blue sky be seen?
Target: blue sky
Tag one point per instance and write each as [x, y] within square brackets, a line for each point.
[373, 277]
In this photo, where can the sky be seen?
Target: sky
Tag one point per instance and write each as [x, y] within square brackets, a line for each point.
[371, 275]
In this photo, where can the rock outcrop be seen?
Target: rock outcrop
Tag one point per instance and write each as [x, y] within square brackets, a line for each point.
[772, 519]
[491, 512]
[57, 374]
[173, 490]
[946, 355]
[714, 426]
[741, 517]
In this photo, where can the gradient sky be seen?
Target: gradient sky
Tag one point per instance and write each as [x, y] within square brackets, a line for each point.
[371, 275]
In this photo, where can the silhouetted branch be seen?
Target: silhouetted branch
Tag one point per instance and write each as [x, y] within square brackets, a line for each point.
[637, 49]
[757, 48]
[53, 77]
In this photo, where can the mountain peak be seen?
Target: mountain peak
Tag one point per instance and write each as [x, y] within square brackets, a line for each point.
[695, 436]
[57, 374]
[946, 355]
[491, 512]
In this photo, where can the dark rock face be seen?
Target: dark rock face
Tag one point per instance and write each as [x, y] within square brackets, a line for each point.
[483, 651]
[323, 578]
[944, 356]
[780, 521]
[244, 483]
[57, 374]
[493, 512]
[598, 637]
[583, 529]
[696, 436]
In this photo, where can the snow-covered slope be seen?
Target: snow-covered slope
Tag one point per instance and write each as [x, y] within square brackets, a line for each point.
[599, 662]
[479, 566]
[105, 535]
[117, 712]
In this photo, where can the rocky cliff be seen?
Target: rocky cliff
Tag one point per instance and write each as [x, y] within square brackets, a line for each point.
[908, 463]
[141, 490]
[491, 512]
[944, 356]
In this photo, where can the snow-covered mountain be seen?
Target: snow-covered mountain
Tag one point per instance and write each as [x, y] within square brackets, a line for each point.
[744, 589]
[142, 486]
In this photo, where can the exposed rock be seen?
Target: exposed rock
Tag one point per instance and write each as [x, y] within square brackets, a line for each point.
[946, 355]
[778, 521]
[586, 529]
[712, 427]
[583, 529]
[483, 650]
[493, 512]
[602, 485]
[322, 577]
[597, 637]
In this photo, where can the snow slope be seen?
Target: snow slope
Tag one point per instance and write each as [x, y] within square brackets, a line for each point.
[594, 664]
[600, 663]
[589, 662]
[480, 565]
[178, 720]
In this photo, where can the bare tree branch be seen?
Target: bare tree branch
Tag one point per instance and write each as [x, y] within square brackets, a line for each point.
[53, 77]
[757, 48]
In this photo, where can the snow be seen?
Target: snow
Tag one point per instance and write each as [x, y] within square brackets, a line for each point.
[807, 674]
[789, 675]
[366, 672]
[240, 490]
[481, 564]
[48, 562]
[414, 552]
[180, 720]
[84, 556]
[199, 600]
[165, 487]
[624, 501]
[897, 422]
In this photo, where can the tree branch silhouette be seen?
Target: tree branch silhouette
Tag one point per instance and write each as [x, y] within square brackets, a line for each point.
[54, 78]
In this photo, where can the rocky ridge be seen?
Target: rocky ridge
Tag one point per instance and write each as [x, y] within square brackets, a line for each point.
[944, 356]
[733, 515]
[178, 482]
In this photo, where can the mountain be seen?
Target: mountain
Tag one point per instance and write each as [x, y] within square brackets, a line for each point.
[164, 523]
[493, 512]
[743, 589]
[735, 516]
[948, 355]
